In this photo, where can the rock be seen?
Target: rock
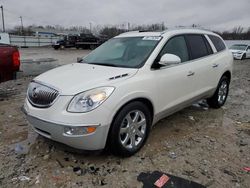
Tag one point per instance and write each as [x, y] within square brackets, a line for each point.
[78, 172]
[24, 178]
[46, 157]
[77, 168]
[92, 169]
[172, 155]
[212, 140]
[103, 182]
[66, 158]
[19, 149]
[243, 143]
[37, 179]
[191, 118]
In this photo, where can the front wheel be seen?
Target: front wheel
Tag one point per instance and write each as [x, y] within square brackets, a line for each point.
[130, 129]
[220, 96]
[243, 57]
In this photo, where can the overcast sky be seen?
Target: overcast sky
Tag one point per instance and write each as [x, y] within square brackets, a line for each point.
[212, 14]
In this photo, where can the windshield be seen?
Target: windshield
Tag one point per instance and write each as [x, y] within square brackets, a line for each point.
[130, 52]
[238, 47]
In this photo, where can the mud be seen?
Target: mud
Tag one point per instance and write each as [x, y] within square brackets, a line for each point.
[204, 145]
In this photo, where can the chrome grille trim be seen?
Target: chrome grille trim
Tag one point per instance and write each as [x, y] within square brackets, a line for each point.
[40, 95]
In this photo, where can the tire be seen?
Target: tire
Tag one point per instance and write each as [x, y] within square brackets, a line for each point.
[133, 128]
[220, 96]
[62, 46]
[243, 57]
[56, 47]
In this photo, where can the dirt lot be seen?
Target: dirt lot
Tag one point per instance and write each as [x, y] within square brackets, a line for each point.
[205, 145]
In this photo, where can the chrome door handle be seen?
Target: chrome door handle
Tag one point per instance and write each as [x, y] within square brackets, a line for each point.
[190, 73]
[215, 65]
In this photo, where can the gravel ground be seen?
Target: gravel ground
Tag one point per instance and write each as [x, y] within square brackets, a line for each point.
[204, 145]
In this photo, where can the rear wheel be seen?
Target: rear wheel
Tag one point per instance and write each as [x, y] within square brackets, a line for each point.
[62, 46]
[220, 96]
[56, 47]
[130, 129]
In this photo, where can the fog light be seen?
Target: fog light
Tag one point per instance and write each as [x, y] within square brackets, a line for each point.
[77, 131]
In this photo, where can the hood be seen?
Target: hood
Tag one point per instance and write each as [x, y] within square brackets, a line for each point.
[78, 77]
[236, 51]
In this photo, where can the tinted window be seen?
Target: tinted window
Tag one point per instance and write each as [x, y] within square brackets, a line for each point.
[177, 46]
[218, 43]
[197, 46]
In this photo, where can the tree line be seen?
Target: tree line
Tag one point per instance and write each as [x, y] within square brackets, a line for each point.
[109, 31]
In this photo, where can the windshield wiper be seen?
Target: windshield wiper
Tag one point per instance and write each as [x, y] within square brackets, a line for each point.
[105, 64]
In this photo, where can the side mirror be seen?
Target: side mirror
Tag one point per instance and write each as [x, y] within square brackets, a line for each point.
[169, 59]
[79, 59]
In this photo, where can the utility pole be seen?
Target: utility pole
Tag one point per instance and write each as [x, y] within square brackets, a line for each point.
[90, 26]
[21, 18]
[2, 18]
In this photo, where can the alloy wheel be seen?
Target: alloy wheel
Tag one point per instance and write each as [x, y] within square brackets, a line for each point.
[133, 129]
[222, 94]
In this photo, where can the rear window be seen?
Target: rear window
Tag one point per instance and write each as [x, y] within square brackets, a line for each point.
[198, 46]
[218, 43]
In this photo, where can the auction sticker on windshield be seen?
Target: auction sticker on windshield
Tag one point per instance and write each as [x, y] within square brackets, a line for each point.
[151, 38]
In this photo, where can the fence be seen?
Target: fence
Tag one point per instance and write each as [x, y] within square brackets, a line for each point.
[32, 41]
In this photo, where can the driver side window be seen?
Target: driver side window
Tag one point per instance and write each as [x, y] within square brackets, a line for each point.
[177, 46]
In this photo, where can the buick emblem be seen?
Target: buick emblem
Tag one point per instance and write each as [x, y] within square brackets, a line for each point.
[35, 93]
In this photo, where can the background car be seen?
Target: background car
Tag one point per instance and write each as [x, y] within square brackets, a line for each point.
[9, 62]
[240, 51]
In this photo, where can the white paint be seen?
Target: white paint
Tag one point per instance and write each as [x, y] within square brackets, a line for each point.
[169, 88]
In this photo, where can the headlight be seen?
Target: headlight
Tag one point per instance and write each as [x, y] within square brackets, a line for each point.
[89, 100]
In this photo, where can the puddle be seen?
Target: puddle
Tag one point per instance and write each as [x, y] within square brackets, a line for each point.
[34, 67]
[24, 146]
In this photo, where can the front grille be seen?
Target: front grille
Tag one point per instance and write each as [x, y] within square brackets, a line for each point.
[40, 95]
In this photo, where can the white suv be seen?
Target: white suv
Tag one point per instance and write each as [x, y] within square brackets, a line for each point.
[117, 92]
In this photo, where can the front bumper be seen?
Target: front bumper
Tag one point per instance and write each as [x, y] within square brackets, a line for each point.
[237, 56]
[55, 131]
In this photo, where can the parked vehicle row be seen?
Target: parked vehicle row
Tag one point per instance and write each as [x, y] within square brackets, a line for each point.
[114, 96]
[9, 62]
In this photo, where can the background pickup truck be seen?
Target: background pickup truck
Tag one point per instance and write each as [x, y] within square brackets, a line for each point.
[9, 62]
[84, 41]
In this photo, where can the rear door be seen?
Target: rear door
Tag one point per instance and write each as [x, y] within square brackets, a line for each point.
[220, 60]
[203, 67]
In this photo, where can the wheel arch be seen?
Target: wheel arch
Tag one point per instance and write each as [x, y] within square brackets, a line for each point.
[227, 74]
[144, 100]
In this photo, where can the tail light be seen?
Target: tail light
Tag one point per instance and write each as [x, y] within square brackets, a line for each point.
[16, 61]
